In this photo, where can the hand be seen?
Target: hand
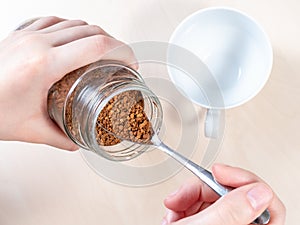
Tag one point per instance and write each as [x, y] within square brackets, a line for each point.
[34, 58]
[195, 203]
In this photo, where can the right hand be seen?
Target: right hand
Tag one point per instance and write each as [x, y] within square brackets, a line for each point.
[195, 203]
[32, 59]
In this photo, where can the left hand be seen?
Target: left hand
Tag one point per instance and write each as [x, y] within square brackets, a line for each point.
[195, 203]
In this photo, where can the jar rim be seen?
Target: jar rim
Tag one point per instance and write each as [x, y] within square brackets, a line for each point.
[156, 114]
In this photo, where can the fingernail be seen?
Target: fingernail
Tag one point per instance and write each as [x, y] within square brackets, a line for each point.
[169, 216]
[259, 196]
[164, 222]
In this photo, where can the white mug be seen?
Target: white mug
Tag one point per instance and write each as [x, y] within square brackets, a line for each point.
[234, 60]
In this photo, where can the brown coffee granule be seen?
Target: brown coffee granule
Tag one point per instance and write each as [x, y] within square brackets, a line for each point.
[57, 96]
[124, 117]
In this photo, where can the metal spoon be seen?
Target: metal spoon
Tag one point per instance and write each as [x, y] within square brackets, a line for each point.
[205, 175]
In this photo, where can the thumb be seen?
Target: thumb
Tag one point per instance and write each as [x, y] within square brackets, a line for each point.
[241, 206]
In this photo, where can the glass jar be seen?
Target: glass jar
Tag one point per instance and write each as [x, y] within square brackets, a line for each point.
[85, 96]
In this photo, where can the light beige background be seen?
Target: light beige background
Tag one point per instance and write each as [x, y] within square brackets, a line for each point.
[40, 185]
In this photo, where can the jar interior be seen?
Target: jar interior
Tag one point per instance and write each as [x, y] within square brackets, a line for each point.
[109, 110]
[133, 114]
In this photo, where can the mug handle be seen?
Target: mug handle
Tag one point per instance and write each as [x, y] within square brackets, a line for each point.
[212, 123]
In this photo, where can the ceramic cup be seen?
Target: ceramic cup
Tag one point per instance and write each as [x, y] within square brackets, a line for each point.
[237, 56]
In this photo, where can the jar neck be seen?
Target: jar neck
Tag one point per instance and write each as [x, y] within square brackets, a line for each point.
[90, 94]
[123, 150]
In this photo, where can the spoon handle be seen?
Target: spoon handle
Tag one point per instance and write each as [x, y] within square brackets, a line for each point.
[207, 177]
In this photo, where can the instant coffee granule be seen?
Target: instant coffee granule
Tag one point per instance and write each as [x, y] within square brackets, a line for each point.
[123, 116]
[58, 93]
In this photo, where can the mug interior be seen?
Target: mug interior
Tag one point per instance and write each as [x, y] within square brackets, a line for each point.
[235, 49]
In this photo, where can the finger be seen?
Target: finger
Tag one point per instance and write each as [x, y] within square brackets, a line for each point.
[233, 176]
[67, 35]
[204, 205]
[188, 200]
[191, 192]
[236, 177]
[172, 216]
[63, 25]
[195, 208]
[240, 206]
[43, 22]
[46, 132]
[84, 51]
[57, 138]
[27, 23]
[277, 212]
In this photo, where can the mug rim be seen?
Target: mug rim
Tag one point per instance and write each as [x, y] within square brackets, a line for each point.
[267, 44]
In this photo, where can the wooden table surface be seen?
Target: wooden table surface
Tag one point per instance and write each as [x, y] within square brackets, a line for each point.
[40, 185]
